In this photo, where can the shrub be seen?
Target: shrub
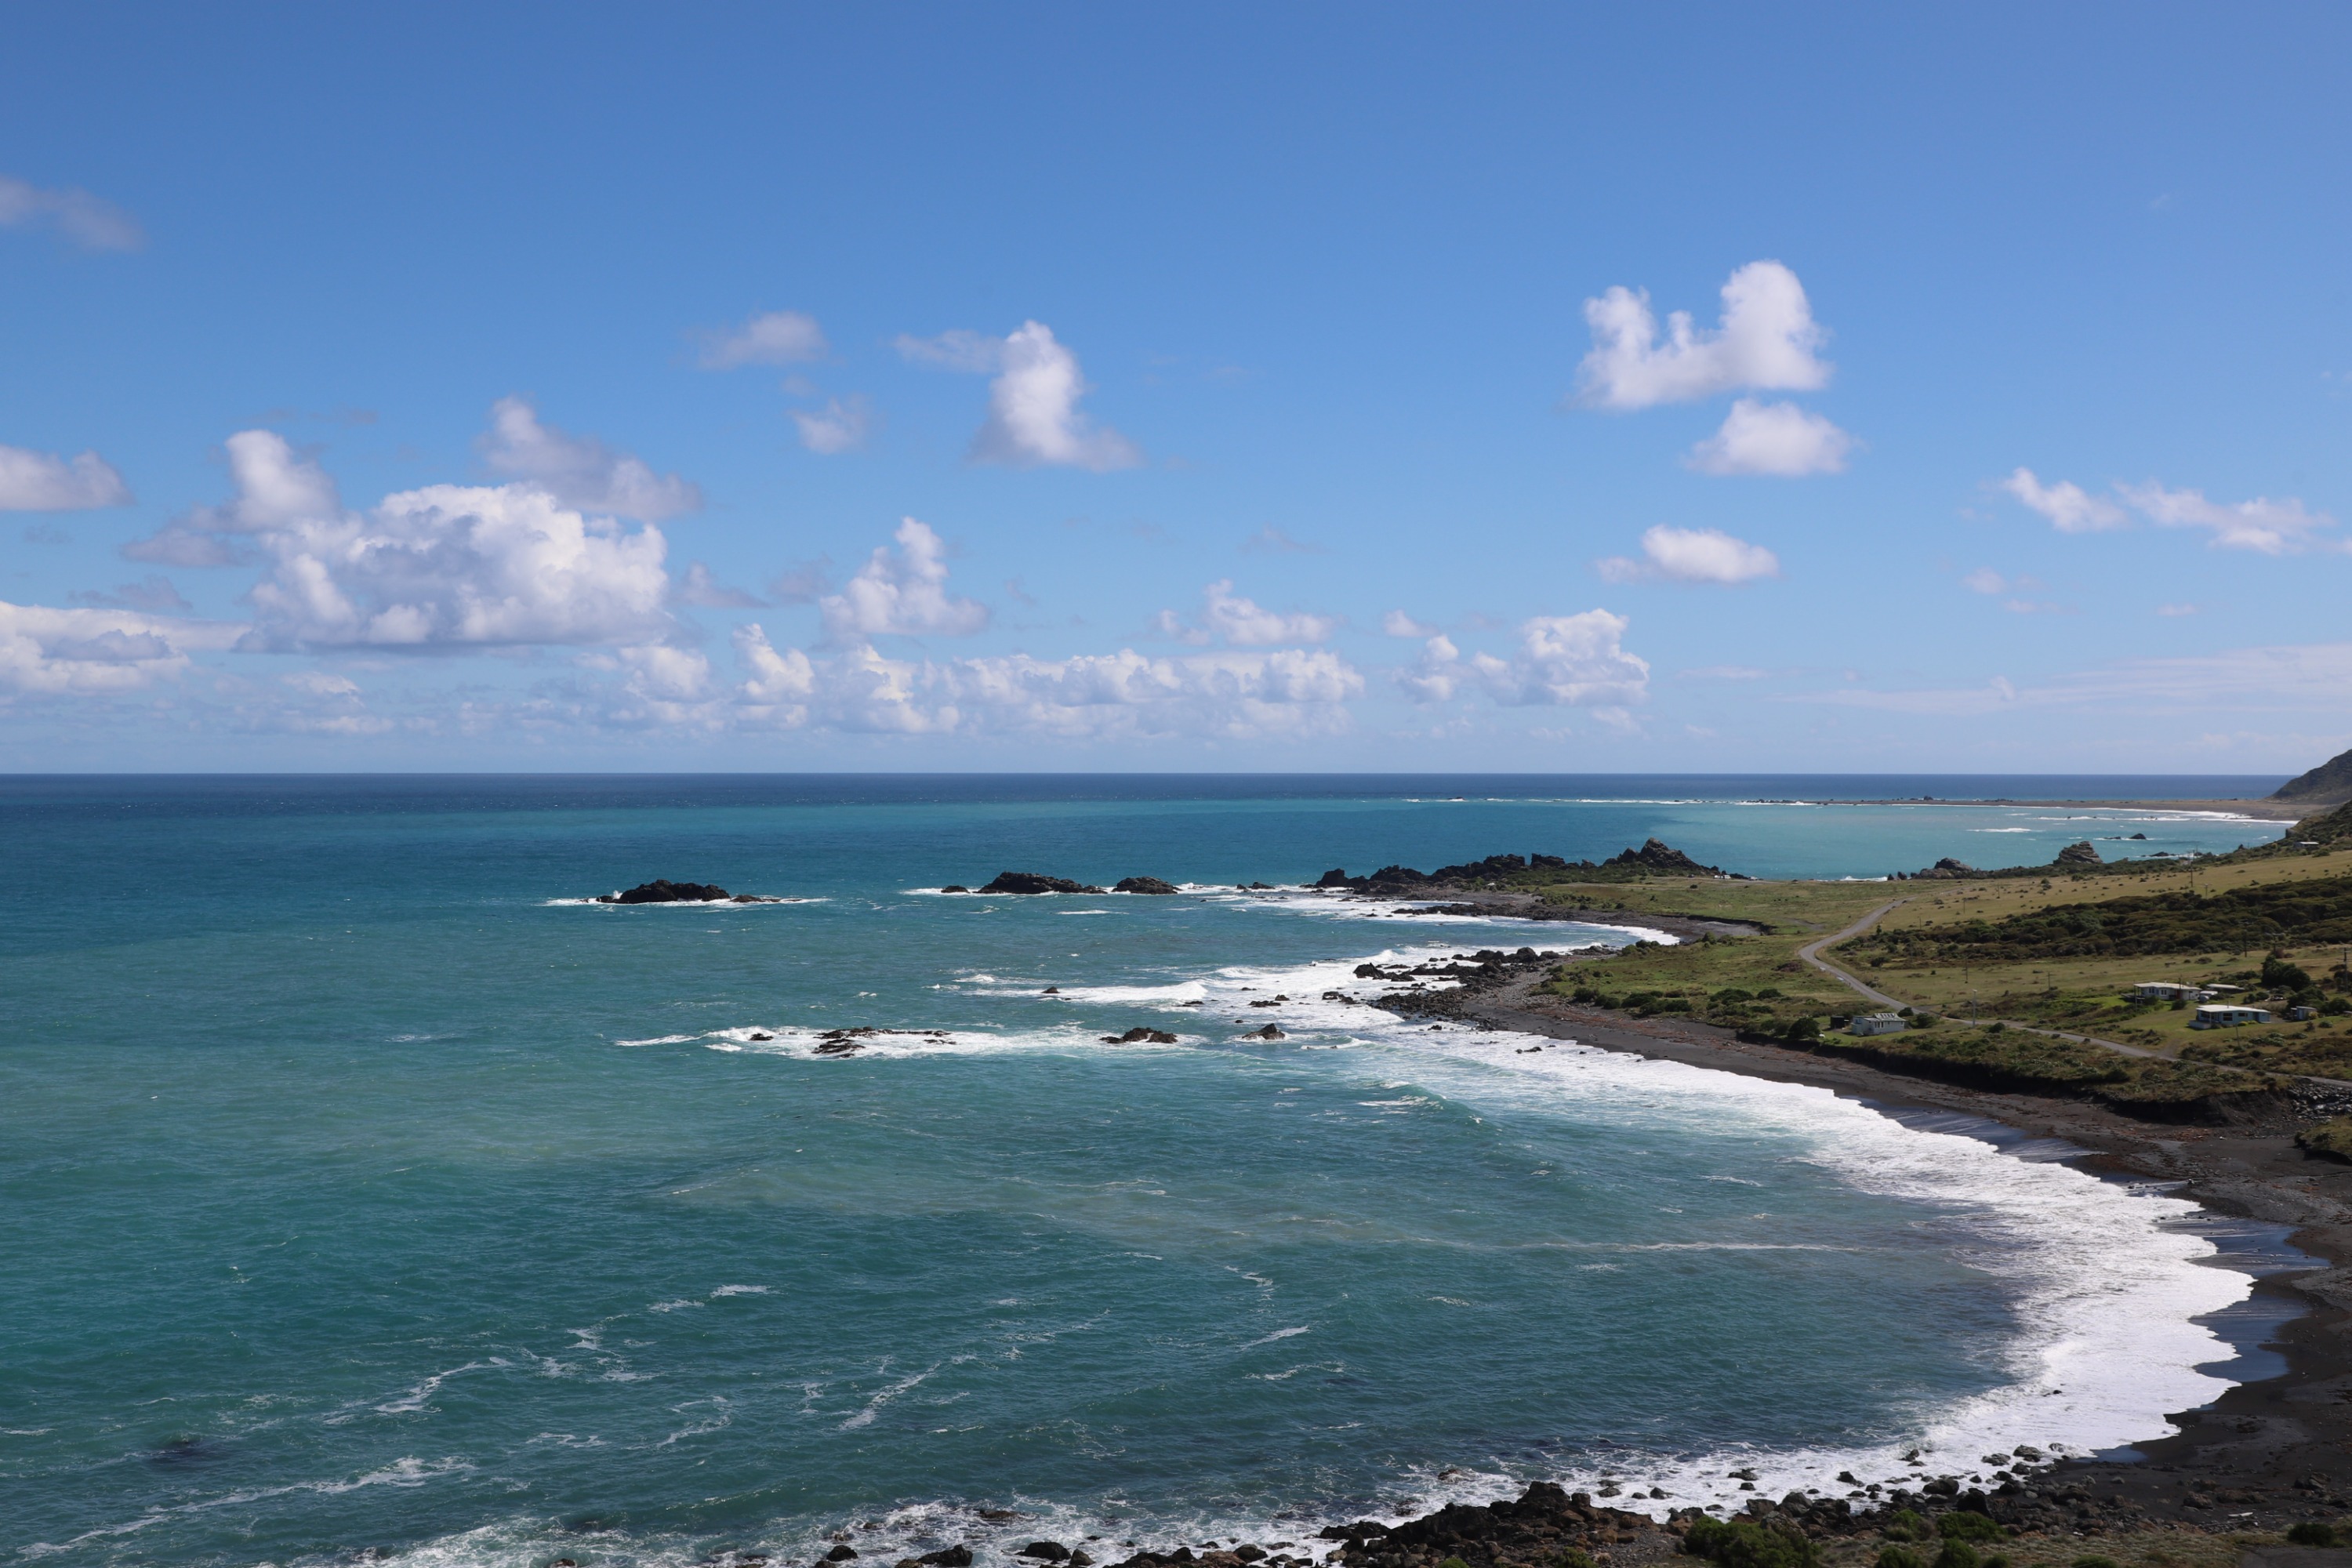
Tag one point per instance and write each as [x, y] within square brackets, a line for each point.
[1899, 1557]
[2094, 1560]
[1958, 1554]
[2279, 974]
[1769, 993]
[1961, 1525]
[1736, 1543]
[1566, 1557]
[1805, 1029]
[1450, 1562]
[2311, 1533]
[1905, 1524]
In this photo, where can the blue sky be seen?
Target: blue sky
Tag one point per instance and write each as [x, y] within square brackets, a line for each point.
[1189, 387]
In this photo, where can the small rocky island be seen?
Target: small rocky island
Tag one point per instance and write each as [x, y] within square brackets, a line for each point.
[661, 890]
[1029, 883]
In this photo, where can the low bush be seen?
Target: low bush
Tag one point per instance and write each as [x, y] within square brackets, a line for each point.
[2311, 1533]
[1899, 1557]
[1958, 1554]
[1905, 1524]
[1962, 1525]
[1736, 1543]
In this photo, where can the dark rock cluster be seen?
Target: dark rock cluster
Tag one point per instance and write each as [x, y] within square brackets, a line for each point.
[850, 1042]
[1032, 882]
[1653, 859]
[1029, 882]
[662, 890]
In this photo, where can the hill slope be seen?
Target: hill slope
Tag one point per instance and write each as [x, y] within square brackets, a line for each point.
[2330, 781]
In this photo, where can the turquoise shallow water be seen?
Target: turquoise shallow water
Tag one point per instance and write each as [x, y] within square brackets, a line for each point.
[358, 1190]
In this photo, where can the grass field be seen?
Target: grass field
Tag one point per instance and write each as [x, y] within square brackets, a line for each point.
[1756, 982]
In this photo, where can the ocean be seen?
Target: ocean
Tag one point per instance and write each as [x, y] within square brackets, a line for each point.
[367, 1189]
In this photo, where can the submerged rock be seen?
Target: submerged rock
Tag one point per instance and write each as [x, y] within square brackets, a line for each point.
[1027, 882]
[1142, 885]
[1268, 1033]
[1045, 1552]
[1139, 1036]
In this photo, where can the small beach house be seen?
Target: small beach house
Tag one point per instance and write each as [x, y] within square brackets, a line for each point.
[2166, 991]
[1877, 1024]
[2227, 1015]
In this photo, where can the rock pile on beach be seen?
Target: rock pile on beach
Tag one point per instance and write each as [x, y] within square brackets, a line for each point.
[1549, 1527]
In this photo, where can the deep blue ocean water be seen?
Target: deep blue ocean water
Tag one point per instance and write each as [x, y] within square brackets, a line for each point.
[363, 1189]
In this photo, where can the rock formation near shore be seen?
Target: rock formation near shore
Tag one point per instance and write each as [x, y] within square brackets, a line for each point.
[1142, 885]
[1030, 883]
[662, 890]
[1653, 859]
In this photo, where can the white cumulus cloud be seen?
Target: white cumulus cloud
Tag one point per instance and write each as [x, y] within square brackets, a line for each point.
[1766, 339]
[2069, 508]
[580, 471]
[773, 337]
[442, 568]
[461, 566]
[1691, 555]
[46, 651]
[44, 481]
[1033, 417]
[1776, 438]
[902, 592]
[1227, 616]
[1397, 624]
[839, 426]
[88, 221]
[1561, 660]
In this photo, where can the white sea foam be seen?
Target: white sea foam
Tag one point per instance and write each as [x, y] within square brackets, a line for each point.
[415, 1398]
[1331, 904]
[403, 1472]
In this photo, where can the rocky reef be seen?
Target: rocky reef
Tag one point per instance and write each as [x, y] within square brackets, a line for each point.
[1653, 859]
[661, 890]
[1029, 883]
